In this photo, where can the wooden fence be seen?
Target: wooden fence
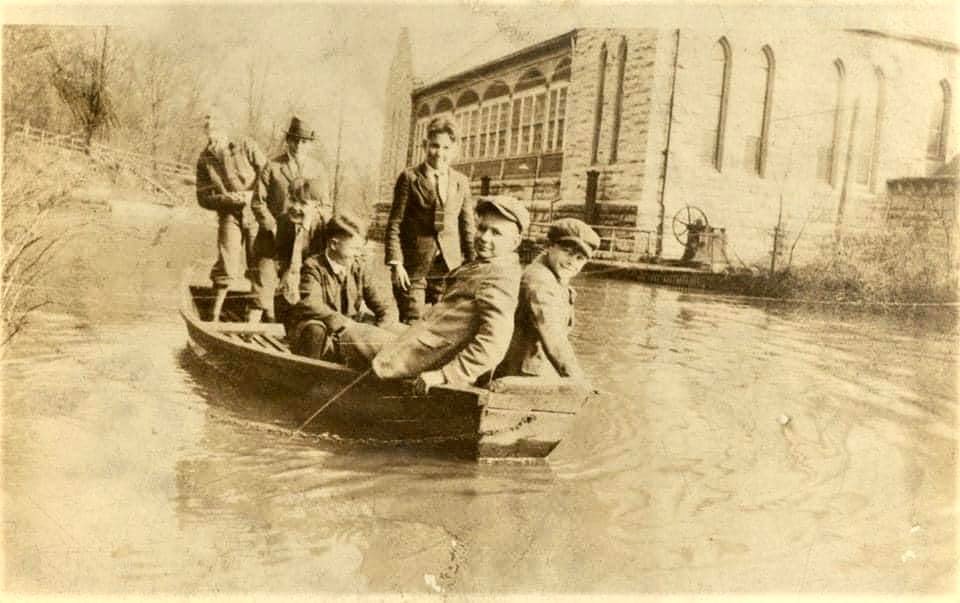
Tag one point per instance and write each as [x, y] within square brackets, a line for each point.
[101, 152]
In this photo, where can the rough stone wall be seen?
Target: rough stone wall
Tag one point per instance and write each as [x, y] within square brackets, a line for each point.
[621, 181]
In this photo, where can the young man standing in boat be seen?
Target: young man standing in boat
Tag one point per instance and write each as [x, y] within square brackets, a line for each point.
[544, 318]
[276, 186]
[227, 177]
[467, 332]
[431, 224]
[334, 286]
[299, 234]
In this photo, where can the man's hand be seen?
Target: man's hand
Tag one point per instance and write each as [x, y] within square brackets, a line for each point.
[426, 380]
[399, 276]
[241, 198]
[290, 285]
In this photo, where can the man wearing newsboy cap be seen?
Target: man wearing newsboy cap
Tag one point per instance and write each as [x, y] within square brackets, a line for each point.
[467, 332]
[540, 345]
[293, 164]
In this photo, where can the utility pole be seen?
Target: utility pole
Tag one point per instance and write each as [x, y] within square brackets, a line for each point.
[848, 161]
[336, 167]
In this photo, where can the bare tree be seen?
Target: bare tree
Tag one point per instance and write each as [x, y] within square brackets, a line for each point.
[81, 77]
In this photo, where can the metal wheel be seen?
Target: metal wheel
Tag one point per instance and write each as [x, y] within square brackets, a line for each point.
[684, 219]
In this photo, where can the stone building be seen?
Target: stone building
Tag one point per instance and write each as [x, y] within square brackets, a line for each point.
[755, 128]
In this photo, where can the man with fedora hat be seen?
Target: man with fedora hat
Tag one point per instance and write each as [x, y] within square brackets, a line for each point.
[467, 332]
[540, 345]
[276, 180]
[334, 287]
[431, 224]
[227, 176]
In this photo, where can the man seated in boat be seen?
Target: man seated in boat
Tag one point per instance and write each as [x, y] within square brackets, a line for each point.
[467, 332]
[334, 286]
[297, 234]
[544, 318]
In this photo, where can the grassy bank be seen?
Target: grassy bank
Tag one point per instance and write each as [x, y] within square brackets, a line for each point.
[897, 265]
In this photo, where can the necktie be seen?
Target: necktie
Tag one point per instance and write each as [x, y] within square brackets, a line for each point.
[438, 209]
[291, 290]
[344, 298]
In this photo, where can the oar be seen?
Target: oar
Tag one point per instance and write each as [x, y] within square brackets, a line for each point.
[331, 401]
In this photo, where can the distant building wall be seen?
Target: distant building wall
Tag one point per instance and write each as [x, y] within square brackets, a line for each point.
[730, 121]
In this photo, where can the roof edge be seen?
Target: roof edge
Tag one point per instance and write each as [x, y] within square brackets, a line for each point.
[941, 45]
[533, 48]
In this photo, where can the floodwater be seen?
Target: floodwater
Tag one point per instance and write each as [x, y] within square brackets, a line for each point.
[737, 447]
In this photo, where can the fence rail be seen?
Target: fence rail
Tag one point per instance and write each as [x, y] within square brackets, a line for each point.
[74, 142]
[616, 242]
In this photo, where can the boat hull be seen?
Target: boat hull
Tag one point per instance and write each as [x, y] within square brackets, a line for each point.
[512, 418]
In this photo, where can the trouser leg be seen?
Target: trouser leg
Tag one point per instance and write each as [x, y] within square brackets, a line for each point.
[314, 340]
[228, 269]
[434, 280]
[359, 343]
[264, 286]
[410, 303]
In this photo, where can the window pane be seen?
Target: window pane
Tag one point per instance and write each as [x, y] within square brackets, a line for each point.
[551, 119]
[539, 111]
[515, 127]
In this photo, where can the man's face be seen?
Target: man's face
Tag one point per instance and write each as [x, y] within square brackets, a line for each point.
[300, 211]
[296, 145]
[496, 236]
[439, 148]
[344, 248]
[566, 261]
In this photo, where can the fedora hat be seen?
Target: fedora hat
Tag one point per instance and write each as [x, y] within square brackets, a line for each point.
[299, 129]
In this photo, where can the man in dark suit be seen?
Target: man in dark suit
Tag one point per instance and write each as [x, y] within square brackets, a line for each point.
[540, 345]
[431, 225]
[276, 183]
[299, 234]
[334, 287]
[466, 334]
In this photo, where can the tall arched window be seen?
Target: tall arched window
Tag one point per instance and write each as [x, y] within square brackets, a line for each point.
[529, 112]
[618, 99]
[420, 131]
[827, 160]
[769, 68]
[868, 131]
[723, 56]
[468, 118]
[496, 101]
[940, 124]
[598, 108]
[557, 107]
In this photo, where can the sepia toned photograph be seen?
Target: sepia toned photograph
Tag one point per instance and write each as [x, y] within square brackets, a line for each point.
[479, 300]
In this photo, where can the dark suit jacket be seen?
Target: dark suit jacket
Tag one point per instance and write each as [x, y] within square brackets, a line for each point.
[466, 333]
[540, 344]
[271, 201]
[412, 236]
[320, 294]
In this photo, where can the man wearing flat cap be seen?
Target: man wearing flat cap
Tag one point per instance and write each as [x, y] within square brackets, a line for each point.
[467, 332]
[540, 345]
[271, 203]
[227, 175]
[431, 224]
[334, 288]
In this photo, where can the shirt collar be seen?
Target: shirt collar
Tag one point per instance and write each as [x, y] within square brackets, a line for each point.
[433, 173]
[338, 268]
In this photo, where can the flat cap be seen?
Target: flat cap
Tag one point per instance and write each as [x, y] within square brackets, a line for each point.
[345, 222]
[507, 206]
[571, 230]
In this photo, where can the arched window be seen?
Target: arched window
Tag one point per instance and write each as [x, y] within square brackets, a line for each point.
[827, 159]
[496, 117]
[557, 106]
[769, 68]
[723, 63]
[468, 117]
[529, 112]
[940, 124]
[444, 105]
[618, 100]
[598, 108]
[420, 131]
[868, 131]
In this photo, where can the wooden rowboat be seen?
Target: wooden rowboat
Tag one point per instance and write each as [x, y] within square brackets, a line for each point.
[512, 417]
